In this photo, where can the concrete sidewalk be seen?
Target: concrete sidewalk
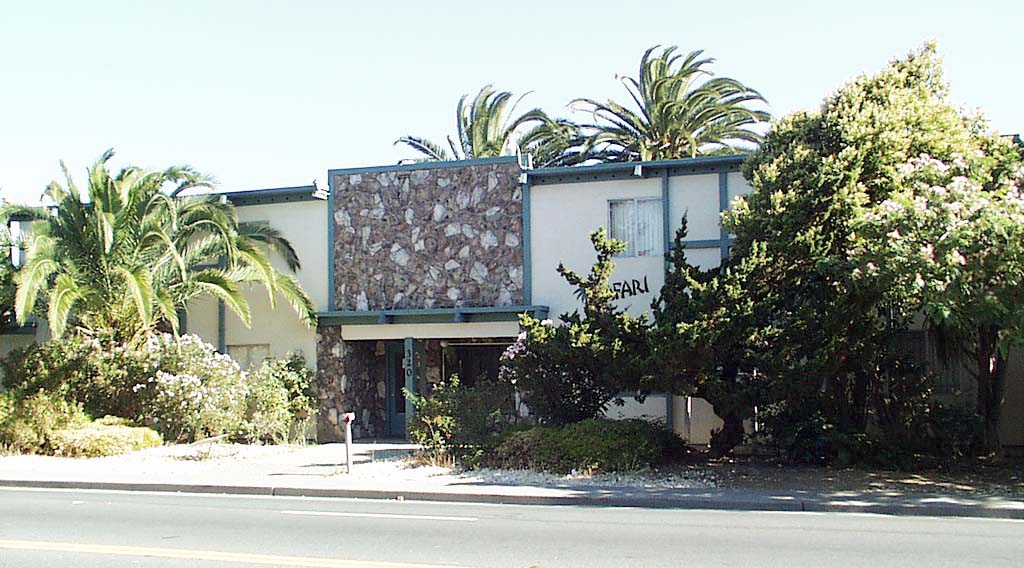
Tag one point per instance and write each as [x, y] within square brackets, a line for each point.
[318, 471]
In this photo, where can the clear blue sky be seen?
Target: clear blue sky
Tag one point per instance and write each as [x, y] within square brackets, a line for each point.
[267, 94]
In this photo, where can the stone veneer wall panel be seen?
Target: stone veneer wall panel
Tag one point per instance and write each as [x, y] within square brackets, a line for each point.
[349, 378]
[430, 238]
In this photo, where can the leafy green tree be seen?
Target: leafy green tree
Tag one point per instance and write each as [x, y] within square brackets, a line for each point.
[832, 333]
[125, 262]
[572, 371]
[680, 112]
[950, 242]
[706, 342]
[487, 127]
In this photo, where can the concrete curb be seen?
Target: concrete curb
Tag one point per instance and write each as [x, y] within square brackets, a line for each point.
[894, 507]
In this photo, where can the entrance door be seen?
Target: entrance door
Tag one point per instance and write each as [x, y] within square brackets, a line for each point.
[394, 398]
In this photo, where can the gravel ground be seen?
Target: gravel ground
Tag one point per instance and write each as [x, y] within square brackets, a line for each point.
[1002, 478]
[692, 479]
[327, 461]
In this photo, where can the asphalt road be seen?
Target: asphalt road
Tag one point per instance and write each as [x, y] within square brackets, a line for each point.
[102, 529]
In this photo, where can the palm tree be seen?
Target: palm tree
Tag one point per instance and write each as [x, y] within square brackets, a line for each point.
[126, 261]
[677, 115]
[486, 128]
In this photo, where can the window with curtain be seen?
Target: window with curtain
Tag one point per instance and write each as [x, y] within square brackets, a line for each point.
[637, 222]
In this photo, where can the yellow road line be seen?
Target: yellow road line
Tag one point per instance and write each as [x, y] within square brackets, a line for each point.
[238, 557]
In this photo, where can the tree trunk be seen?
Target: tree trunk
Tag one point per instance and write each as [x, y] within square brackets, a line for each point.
[728, 437]
[991, 378]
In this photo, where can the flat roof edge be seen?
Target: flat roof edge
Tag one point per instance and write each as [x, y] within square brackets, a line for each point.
[703, 161]
[269, 195]
[429, 165]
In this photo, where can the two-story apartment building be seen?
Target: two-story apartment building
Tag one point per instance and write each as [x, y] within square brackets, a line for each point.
[422, 270]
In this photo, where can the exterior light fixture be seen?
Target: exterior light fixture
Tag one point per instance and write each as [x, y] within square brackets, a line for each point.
[319, 192]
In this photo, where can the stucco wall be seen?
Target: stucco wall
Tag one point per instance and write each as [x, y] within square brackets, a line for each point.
[428, 238]
[559, 233]
[561, 219]
[1012, 431]
[304, 224]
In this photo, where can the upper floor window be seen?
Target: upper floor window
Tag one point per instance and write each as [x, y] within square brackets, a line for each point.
[637, 222]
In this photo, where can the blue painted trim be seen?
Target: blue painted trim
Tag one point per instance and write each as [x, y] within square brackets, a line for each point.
[734, 160]
[666, 223]
[410, 379]
[527, 247]
[433, 315]
[330, 242]
[723, 204]
[268, 196]
[434, 165]
[222, 336]
[625, 170]
[704, 243]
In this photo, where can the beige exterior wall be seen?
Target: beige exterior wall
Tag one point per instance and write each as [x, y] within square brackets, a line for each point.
[1012, 425]
[304, 224]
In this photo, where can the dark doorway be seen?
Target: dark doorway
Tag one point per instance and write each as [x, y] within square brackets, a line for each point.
[473, 363]
[394, 398]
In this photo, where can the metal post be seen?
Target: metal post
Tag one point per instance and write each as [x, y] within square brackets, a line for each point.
[349, 418]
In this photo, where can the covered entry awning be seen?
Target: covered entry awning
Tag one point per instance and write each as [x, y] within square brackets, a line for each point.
[481, 322]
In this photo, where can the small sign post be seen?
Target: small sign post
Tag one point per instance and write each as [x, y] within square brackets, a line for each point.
[348, 418]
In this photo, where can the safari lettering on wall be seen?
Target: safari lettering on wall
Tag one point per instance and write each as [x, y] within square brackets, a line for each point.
[630, 288]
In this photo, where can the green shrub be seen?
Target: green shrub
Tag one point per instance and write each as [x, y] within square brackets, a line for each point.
[925, 435]
[181, 387]
[28, 425]
[459, 423]
[193, 392]
[589, 446]
[108, 436]
[60, 366]
[279, 401]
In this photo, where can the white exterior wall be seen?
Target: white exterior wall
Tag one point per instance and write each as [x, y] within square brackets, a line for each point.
[561, 218]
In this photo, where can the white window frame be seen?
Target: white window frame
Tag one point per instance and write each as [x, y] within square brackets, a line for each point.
[631, 242]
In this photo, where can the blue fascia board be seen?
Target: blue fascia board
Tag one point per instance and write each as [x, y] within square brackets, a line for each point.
[707, 243]
[270, 195]
[431, 315]
[330, 242]
[627, 170]
[732, 160]
[527, 246]
[432, 165]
